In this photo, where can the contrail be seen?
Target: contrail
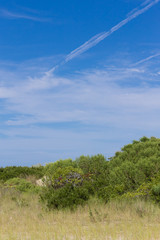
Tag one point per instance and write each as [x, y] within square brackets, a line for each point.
[101, 36]
[146, 59]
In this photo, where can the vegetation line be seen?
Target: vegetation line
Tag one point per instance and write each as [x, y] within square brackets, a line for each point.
[89, 198]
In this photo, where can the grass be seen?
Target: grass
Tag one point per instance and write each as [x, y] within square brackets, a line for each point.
[22, 217]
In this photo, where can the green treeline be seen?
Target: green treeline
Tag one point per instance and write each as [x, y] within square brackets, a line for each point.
[132, 173]
[22, 172]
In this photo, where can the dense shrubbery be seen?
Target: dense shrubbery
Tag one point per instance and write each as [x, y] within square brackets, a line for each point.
[13, 172]
[132, 173]
[66, 188]
[95, 169]
[109, 192]
[64, 172]
[137, 163]
[21, 185]
[65, 197]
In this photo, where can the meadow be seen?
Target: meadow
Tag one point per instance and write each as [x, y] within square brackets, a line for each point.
[23, 217]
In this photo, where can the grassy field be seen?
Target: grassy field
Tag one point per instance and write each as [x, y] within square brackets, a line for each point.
[22, 217]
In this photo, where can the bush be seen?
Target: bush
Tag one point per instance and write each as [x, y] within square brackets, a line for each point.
[109, 192]
[143, 192]
[22, 185]
[66, 197]
[66, 175]
[96, 167]
[20, 172]
[156, 192]
[50, 168]
[137, 163]
[67, 188]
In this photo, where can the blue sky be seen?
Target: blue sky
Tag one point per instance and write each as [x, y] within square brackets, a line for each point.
[77, 77]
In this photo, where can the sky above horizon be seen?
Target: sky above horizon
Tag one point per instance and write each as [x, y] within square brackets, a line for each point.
[77, 77]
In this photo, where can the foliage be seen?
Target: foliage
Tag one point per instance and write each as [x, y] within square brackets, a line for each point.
[13, 172]
[66, 189]
[96, 168]
[63, 172]
[156, 191]
[109, 192]
[132, 173]
[66, 197]
[147, 191]
[66, 175]
[136, 164]
[21, 185]
[156, 188]
[143, 192]
[50, 168]
[94, 164]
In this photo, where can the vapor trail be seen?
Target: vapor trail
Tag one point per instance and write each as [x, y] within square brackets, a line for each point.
[101, 36]
[146, 59]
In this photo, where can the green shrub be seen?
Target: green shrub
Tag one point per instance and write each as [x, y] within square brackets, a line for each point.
[68, 185]
[109, 192]
[143, 192]
[65, 197]
[66, 175]
[156, 189]
[50, 168]
[22, 185]
[96, 167]
[147, 191]
[137, 163]
[156, 192]
[22, 172]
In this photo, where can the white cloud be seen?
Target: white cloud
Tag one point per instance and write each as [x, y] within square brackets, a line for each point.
[108, 96]
[90, 112]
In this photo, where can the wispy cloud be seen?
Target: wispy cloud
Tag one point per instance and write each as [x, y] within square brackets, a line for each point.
[93, 97]
[101, 36]
[38, 113]
[15, 15]
[79, 114]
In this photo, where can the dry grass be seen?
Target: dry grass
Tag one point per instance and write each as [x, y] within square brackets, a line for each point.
[23, 218]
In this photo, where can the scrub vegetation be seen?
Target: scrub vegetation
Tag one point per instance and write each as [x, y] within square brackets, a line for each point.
[89, 198]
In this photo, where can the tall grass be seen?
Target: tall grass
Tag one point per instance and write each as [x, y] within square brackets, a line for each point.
[22, 217]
